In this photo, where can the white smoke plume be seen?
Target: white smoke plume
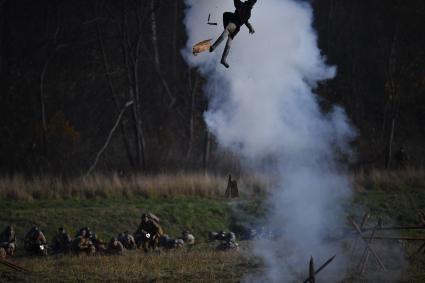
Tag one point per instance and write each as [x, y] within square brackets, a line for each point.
[264, 109]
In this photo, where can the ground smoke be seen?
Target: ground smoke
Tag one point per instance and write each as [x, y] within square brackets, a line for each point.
[263, 108]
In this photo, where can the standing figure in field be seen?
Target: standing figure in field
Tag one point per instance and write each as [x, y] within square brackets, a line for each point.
[8, 241]
[232, 24]
[148, 232]
[400, 158]
[232, 190]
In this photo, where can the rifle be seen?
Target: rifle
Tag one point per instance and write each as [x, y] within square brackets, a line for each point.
[13, 266]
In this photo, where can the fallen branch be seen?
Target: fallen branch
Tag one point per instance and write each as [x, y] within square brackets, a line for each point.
[128, 104]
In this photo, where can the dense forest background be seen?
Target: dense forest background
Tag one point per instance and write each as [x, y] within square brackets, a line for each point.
[69, 68]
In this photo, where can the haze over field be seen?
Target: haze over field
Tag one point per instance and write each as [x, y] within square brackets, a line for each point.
[264, 109]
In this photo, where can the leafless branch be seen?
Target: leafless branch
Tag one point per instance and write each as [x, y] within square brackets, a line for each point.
[111, 133]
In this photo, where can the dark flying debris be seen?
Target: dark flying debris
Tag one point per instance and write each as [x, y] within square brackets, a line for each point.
[210, 23]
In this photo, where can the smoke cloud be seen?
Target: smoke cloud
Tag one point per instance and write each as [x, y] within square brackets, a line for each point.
[264, 109]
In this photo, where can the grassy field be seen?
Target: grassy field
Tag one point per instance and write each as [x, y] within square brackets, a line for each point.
[204, 265]
[395, 198]
[109, 216]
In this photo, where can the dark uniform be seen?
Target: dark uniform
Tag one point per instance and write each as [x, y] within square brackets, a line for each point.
[232, 24]
[35, 242]
[8, 240]
[85, 230]
[115, 247]
[82, 243]
[127, 240]
[61, 242]
[214, 236]
[148, 232]
[98, 244]
[229, 243]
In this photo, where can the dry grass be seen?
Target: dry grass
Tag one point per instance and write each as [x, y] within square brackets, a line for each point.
[103, 186]
[409, 177]
[174, 266]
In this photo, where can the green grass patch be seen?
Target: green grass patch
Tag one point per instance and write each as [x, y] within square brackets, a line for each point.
[109, 216]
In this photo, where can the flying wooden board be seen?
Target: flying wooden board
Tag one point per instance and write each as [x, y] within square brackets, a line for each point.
[202, 46]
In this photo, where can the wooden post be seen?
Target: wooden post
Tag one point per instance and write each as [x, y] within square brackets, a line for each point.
[311, 271]
[320, 268]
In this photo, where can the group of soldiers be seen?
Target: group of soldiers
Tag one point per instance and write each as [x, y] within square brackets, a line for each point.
[149, 235]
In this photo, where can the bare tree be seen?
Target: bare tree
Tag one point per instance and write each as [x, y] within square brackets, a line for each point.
[108, 139]
[192, 110]
[132, 54]
[55, 47]
[392, 102]
[115, 96]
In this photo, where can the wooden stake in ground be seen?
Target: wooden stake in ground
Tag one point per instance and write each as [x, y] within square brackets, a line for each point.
[319, 269]
[312, 276]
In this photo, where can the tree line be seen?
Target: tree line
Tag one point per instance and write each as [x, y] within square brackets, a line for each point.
[101, 85]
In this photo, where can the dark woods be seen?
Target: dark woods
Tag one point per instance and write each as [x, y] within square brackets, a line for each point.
[69, 68]
[378, 47]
